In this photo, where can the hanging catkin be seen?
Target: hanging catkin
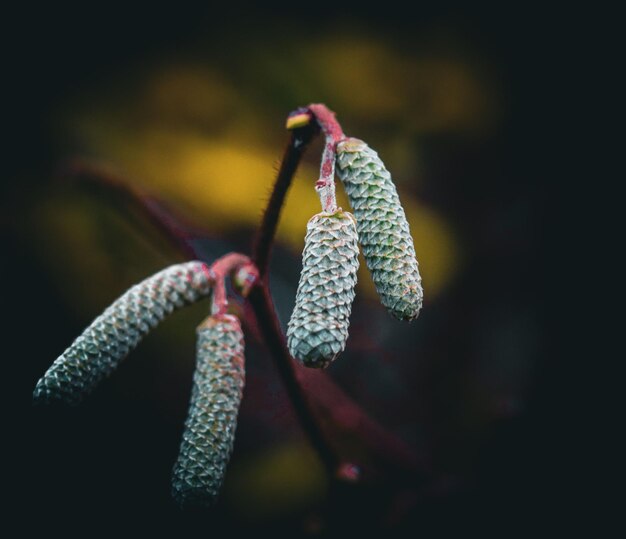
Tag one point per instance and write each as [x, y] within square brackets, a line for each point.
[382, 226]
[111, 336]
[210, 426]
[318, 328]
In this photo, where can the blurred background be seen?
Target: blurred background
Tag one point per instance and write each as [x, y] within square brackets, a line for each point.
[189, 105]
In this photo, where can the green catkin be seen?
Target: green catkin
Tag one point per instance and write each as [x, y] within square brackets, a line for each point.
[318, 328]
[383, 229]
[209, 432]
[110, 337]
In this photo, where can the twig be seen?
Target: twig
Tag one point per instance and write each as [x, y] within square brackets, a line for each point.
[314, 394]
[327, 121]
[223, 267]
[325, 186]
[386, 445]
[263, 307]
[298, 141]
[302, 132]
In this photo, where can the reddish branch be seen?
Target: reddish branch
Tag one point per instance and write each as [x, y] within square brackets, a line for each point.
[339, 408]
[228, 265]
[327, 121]
[325, 186]
[260, 298]
[323, 409]
[261, 301]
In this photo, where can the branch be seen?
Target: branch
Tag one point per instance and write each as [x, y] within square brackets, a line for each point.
[263, 307]
[327, 121]
[231, 264]
[330, 398]
[325, 186]
[298, 141]
[326, 412]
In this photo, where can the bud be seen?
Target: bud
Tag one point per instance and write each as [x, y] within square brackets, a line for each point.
[383, 229]
[110, 337]
[318, 329]
[210, 426]
[244, 279]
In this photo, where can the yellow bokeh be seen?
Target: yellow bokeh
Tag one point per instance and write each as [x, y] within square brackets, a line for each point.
[287, 478]
[187, 134]
[225, 187]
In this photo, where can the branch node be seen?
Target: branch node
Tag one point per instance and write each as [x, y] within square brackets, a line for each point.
[243, 274]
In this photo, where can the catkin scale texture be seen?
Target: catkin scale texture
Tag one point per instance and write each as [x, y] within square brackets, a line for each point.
[209, 432]
[118, 330]
[318, 328]
[383, 228]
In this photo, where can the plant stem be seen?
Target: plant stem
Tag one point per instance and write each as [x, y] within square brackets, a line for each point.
[302, 133]
[260, 297]
[384, 444]
[325, 186]
[219, 270]
[296, 146]
[261, 301]
[327, 121]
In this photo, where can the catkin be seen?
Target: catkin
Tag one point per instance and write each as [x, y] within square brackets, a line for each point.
[110, 337]
[382, 226]
[209, 431]
[318, 328]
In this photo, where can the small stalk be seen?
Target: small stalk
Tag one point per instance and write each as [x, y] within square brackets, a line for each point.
[231, 265]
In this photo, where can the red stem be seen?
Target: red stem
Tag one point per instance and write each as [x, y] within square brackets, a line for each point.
[327, 121]
[219, 270]
[325, 186]
[261, 301]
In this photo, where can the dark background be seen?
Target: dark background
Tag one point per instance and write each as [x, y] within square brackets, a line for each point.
[477, 384]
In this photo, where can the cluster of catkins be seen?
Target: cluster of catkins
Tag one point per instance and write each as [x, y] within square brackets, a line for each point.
[318, 328]
[317, 331]
[218, 379]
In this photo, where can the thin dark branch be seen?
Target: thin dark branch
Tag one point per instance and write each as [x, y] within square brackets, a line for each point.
[307, 404]
[263, 306]
[325, 411]
[267, 321]
[296, 146]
